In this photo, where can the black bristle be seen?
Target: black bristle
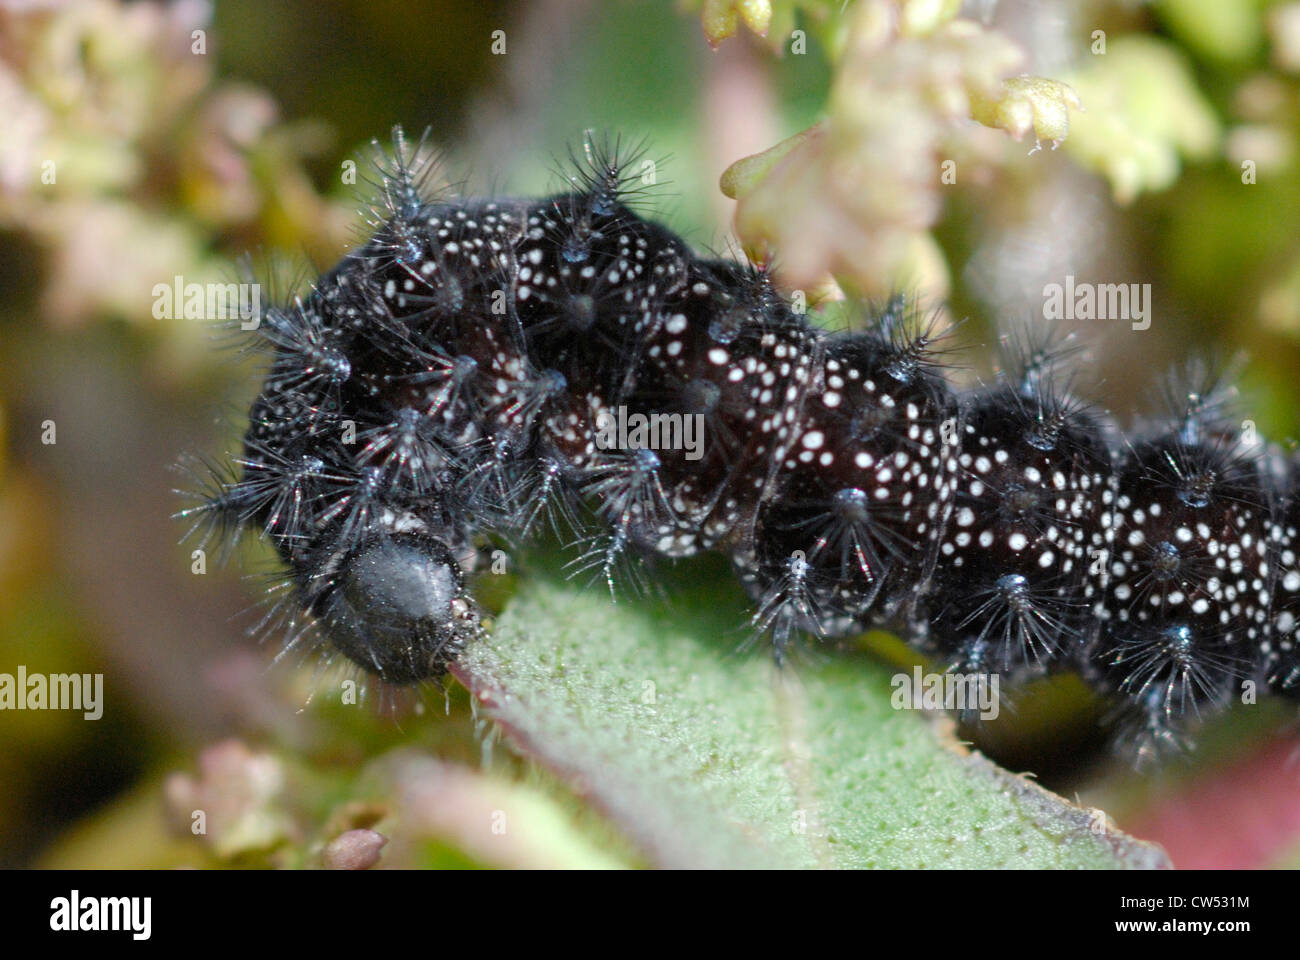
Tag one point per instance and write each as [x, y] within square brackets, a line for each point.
[1188, 599]
[1017, 579]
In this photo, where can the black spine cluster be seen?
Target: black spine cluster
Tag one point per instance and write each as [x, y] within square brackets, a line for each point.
[454, 378]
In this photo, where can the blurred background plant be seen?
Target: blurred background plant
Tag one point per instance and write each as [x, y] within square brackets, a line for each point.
[973, 153]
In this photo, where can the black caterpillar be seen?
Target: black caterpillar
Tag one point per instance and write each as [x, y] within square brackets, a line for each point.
[453, 376]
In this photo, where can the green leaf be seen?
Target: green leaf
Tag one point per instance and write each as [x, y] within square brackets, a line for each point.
[1227, 31]
[707, 757]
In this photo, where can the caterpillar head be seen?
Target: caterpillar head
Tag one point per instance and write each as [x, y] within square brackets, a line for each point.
[396, 606]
